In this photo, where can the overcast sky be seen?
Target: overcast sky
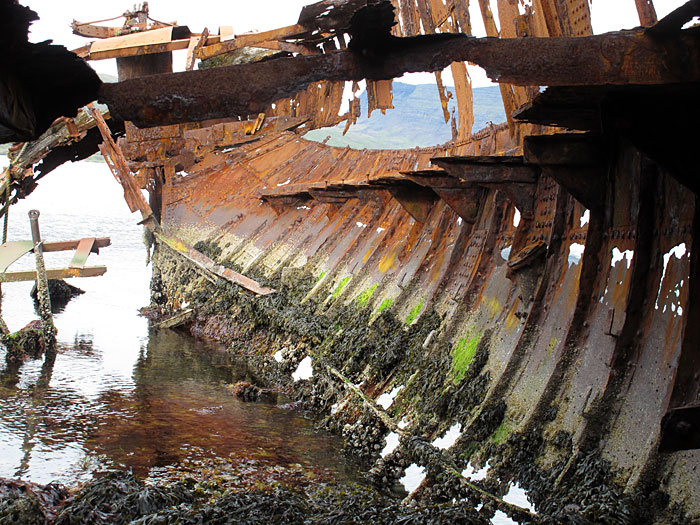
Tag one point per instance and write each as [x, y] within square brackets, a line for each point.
[259, 15]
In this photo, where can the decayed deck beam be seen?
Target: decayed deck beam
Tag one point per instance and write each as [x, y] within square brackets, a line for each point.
[622, 58]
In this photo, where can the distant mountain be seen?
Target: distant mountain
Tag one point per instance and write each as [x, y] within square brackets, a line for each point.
[416, 120]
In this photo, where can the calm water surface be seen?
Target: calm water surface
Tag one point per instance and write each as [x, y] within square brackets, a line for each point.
[119, 394]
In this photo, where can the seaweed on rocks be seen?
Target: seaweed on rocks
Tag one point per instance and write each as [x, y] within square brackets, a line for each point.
[25, 503]
[120, 497]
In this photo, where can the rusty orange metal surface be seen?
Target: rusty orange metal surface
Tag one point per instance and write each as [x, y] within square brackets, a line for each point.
[573, 251]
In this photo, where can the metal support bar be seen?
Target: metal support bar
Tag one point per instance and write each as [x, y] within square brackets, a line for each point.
[42, 286]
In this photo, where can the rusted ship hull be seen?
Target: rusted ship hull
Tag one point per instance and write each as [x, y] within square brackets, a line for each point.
[594, 347]
[535, 287]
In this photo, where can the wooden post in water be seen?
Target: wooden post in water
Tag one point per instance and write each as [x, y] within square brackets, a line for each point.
[42, 286]
[4, 330]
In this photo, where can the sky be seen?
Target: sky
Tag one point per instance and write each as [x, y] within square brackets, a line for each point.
[261, 15]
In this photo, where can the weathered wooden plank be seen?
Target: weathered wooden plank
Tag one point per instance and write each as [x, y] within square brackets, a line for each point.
[59, 273]
[240, 41]
[149, 49]
[82, 253]
[62, 246]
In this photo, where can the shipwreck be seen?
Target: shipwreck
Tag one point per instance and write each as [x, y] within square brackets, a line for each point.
[531, 288]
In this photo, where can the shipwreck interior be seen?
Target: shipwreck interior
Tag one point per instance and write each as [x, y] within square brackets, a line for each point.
[532, 287]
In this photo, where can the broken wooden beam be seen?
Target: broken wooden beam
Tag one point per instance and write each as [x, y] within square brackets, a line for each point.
[250, 39]
[177, 319]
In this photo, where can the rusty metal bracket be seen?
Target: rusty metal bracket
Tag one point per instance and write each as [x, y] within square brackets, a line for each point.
[511, 175]
[575, 160]
[464, 198]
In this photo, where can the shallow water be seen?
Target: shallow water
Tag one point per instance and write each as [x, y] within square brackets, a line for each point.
[119, 394]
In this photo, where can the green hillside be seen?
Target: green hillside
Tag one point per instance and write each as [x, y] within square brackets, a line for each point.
[416, 119]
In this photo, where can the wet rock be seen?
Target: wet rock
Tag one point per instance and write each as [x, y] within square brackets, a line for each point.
[246, 391]
[60, 293]
[26, 343]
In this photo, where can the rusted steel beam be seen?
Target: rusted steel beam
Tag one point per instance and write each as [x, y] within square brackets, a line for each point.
[672, 23]
[242, 90]
[463, 197]
[289, 47]
[511, 175]
[564, 149]
[510, 169]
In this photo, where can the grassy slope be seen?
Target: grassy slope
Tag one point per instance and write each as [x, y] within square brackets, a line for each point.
[417, 119]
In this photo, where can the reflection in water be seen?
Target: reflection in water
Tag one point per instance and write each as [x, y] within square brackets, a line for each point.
[177, 409]
[117, 394]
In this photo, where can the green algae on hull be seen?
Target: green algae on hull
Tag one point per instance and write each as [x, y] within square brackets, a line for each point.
[365, 296]
[463, 355]
[414, 313]
[341, 286]
[386, 303]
